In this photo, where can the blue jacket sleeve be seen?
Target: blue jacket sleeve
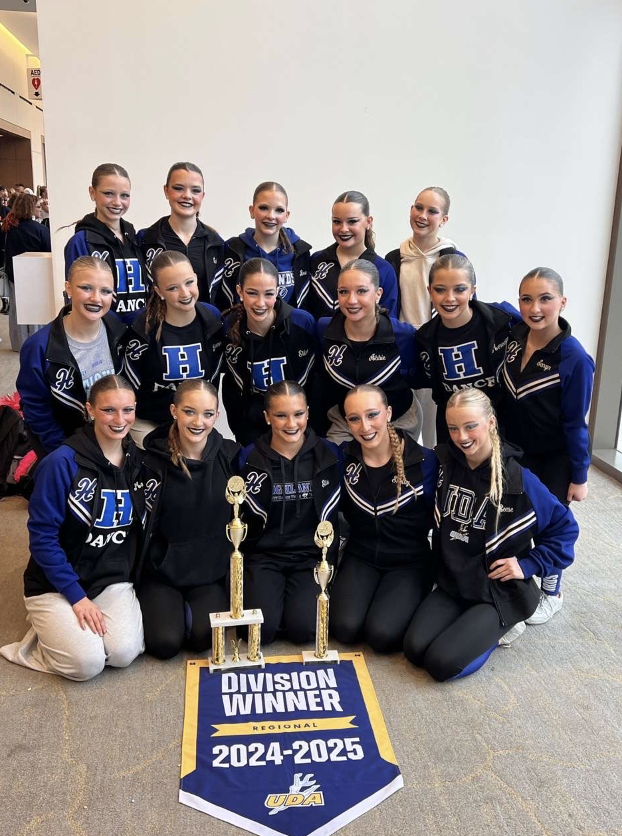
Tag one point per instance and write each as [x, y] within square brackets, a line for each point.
[405, 339]
[388, 283]
[35, 393]
[557, 531]
[48, 506]
[74, 248]
[576, 372]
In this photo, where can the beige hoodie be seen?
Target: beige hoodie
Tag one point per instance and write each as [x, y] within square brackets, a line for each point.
[414, 271]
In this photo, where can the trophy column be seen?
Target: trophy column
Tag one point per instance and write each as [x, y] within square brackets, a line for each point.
[323, 572]
[237, 616]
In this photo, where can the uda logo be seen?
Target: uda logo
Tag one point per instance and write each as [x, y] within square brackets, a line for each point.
[304, 792]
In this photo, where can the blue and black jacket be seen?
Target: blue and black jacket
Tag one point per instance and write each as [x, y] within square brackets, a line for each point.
[287, 352]
[386, 531]
[469, 536]
[386, 360]
[50, 383]
[155, 370]
[545, 404]
[205, 251]
[293, 268]
[126, 260]
[85, 520]
[325, 268]
[317, 462]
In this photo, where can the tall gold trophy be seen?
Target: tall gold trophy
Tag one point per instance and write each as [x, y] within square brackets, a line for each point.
[323, 572]
[237, 616]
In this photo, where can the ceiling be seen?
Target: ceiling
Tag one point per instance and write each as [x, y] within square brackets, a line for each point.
[22, 24]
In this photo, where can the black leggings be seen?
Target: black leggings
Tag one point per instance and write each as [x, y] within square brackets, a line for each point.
[450, 637]
[375, 605]
[174, 617]
[554, 471]
[286, 593]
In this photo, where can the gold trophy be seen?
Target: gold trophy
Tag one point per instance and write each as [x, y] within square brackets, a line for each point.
[323, 573]
[237, 616]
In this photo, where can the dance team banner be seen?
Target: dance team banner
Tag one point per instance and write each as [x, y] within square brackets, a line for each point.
[291, 750]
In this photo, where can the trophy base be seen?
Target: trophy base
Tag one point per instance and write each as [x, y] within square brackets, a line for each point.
[309, 657]
[230, 665]
[225, 619]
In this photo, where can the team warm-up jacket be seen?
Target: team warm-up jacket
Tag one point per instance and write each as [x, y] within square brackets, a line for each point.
[545, 404]
[125, 258]
[532, 526]
[85, 520]
[205, 252]
[498, 319]
[318, 465]
[381, 534]
[293, 268]
[50, 383]
[287, 352]
[386, 360]
[155, 370]
[325, 268]
[186, 540]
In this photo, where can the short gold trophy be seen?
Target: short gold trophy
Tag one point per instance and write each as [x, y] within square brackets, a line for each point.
[323, 572]
[238, 616]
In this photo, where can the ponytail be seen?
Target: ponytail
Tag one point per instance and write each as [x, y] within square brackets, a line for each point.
[237, 312]
[398, 463]
[284, 243]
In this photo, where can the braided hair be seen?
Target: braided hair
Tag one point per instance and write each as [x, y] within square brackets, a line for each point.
[156, 305]
[395, 439]
[249, 268]
[174, 441]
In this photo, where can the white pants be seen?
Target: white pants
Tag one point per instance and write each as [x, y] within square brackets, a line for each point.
[338, 432]
[57, 644]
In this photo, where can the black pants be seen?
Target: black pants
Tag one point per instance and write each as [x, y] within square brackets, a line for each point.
[375, 605]
[286, 592]
[448, 635]
[174, 617]
[553, 470]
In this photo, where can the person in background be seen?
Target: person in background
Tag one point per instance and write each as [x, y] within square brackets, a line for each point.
[106, 234]
[85, 533]
[23, 235]
[182, 231]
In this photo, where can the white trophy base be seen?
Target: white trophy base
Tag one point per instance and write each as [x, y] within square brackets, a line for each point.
[225, 619]
[309, 657]
[230, 665]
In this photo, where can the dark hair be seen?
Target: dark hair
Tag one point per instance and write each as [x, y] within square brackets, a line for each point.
[441, 193]
[156, 306]
[394, 438]
[89, 262]
[174, 442]
[453, 261]
[360, 199]
[108, 170]
[545, 273]
[273, 186]
[107, 384]
[183, 167]
[284, 388]
[249, 268]
[15, 185]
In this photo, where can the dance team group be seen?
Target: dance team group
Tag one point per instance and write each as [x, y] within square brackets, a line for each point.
[327, 361]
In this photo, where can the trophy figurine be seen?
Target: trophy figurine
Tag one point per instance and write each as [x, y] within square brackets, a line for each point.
[323, 573]
[237, 616]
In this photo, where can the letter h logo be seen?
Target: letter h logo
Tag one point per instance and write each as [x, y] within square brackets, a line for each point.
[116, 511]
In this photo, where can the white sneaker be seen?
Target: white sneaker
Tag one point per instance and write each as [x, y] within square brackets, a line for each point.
[512, 634]
[548, 606]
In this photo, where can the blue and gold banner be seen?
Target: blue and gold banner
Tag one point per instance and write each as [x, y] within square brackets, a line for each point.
[291, 750]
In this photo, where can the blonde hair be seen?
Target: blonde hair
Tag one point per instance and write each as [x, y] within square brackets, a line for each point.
[174, 442]
[476, 398]
[89, 262]
[394, 438]
[156, 304]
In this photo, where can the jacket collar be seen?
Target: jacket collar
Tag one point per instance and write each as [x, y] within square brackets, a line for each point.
[335, 329]
[58, 348]
[521, 331]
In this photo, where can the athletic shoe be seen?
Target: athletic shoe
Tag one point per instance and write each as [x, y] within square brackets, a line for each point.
[512, 634]
[548, 606]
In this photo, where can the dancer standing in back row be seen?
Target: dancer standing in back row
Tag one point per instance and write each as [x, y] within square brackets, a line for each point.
[547, 378]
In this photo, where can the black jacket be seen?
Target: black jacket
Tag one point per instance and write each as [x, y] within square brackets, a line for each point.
[186, 540]
[209, 267]
[27, 237]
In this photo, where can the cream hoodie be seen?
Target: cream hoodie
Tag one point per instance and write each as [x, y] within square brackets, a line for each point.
[415, 306]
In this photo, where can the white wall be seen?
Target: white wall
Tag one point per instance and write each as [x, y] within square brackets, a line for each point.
[12, 108]
[516, 109]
